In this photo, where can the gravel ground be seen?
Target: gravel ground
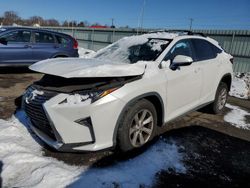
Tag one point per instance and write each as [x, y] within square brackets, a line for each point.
[217, 154]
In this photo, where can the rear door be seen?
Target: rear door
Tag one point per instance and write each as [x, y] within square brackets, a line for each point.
[44, 45]
[207, 56]
[18, 49]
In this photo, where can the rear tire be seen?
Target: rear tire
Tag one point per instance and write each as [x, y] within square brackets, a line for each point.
[137, 126]
[220, 99]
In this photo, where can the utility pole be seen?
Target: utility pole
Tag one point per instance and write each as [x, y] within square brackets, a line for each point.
[191, 23]
[112, 25]
[140, 20]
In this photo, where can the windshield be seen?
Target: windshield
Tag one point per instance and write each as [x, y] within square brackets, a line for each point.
[133, 49]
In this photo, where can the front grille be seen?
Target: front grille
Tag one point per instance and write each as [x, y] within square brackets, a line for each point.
[33, 101]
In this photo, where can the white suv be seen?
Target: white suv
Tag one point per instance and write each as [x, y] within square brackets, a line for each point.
[120, 95]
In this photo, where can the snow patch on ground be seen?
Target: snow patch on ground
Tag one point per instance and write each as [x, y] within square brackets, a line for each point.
[237, 117]
[241, 86]
[85, 53]
[25, 166]
[135, 172]
[23, 162]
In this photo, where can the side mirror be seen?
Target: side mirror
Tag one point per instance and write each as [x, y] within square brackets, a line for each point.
[3, 41]
[180, 60]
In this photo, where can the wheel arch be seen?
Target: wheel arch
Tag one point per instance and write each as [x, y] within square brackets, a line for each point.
[227, 79]
[60, 55]
[154, 98]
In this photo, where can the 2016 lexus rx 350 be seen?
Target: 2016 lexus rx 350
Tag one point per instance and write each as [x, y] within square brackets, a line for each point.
[120, 95]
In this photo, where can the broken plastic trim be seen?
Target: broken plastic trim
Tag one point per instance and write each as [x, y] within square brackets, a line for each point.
[76, 85]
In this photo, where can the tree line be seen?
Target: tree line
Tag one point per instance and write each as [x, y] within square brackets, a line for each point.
[12, 18]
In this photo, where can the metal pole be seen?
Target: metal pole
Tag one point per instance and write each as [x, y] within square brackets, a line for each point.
[113, 35]
[92, 39]
[232, 42]
[191, 23]
[112, 20]
[140, 20]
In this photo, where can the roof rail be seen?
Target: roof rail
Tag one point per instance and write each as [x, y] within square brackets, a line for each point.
[180, 31]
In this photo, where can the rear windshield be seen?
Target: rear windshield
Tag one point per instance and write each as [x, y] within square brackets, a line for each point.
[128, 50]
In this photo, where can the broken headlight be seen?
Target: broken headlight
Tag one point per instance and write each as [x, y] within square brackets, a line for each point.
[86, 97]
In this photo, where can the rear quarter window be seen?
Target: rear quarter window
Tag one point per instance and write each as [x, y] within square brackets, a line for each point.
[62, 40]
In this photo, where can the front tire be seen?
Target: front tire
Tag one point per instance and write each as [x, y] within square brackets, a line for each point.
[137, 126]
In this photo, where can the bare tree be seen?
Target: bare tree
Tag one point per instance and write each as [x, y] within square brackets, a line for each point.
[11, 17]
[72, 23]
[51, 22]
[81, 24]
[65, 23]
[36, 20]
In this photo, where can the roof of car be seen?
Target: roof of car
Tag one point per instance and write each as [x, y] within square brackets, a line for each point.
[168, 35]
[8, 28]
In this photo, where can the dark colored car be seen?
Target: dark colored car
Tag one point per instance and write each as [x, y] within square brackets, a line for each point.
[22, 46]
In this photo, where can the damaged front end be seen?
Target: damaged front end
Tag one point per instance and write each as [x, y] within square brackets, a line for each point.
[57, 106]
[81, 89]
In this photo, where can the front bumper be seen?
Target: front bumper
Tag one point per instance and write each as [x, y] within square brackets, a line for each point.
[79, 127]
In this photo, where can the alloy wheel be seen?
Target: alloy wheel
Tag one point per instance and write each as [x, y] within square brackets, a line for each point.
[141, 128]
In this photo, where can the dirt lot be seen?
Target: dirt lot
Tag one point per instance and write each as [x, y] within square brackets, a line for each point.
[217, 154]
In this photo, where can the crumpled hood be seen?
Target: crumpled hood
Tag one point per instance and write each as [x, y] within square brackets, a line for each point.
[80, 68]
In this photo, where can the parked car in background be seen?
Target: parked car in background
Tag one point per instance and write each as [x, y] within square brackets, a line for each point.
[22, 46]
[120, 96]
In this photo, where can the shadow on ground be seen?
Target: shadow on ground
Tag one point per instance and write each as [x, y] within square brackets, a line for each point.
[14, 70]
[212, 159]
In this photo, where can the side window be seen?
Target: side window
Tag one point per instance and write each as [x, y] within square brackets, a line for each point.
[203, 50]
[41, 37]
[18, 36]
[61, 40]
[182, 47]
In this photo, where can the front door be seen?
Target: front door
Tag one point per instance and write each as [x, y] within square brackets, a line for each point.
[184, 84]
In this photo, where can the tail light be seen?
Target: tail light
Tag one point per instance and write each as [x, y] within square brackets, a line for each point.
[75, 43]
[232, 60]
